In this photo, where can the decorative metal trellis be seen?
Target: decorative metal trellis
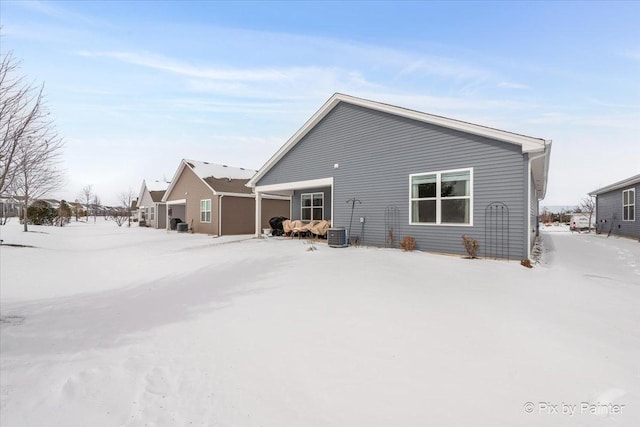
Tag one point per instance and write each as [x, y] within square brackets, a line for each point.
[391, 226]
[496, 230]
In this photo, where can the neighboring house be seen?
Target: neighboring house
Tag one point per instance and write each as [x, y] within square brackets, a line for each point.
[616, 207]
[215, 199]
[414, 174]
[11, 206]
[151, 209]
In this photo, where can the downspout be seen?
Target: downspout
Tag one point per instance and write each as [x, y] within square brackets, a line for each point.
[531, 158]
[220, 214]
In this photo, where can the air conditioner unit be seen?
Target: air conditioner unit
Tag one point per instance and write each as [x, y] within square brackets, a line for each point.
[337, 237]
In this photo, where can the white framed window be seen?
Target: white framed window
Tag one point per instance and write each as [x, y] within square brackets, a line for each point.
[205, 210]
[441, 198]
[311, 206]
[629, 205]
[152, 213]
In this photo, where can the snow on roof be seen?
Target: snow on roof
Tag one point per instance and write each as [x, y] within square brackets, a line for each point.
[208, 170]
[617, 185]
[156, 185]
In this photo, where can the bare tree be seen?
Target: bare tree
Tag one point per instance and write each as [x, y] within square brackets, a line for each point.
[588, 206]
[86, 197]
[20, 109]
[37, 160]
[96, 206]
[30, 147]
[127, 198]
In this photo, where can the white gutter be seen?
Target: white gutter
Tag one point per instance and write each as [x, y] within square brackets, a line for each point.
[531, 159]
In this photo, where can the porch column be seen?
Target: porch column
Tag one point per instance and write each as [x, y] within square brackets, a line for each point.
[167, 217]
[258, 213]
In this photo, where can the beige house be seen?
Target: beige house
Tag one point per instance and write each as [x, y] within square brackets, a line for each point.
[214, 199]
[151, 209]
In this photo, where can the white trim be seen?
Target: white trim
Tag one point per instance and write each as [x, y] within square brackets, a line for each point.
[205, 211]
[527, 143]
[528, 211]
[633, 189]
[438, 198]
[258, 214]
[297, 185]
[616, 185]
[220, 193]
[176, 202]
[311, 207]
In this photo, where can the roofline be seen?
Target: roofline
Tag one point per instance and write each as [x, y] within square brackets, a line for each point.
[183, 163]
[617, 185]
[528, 144]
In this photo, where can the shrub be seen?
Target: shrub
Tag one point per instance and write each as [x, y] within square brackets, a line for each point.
[471, 246]
[408, 243]
[39, 213]
[526, 263]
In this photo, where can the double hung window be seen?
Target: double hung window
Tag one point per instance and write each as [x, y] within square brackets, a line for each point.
[312, 206]
[442, 198]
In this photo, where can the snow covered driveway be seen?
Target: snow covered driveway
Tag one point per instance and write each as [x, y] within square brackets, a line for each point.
[107, 326]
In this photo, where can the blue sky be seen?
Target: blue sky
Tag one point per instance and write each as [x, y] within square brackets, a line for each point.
[136, 86]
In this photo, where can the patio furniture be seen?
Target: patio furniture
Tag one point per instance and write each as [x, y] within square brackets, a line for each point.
[303, 230]
[321, 228]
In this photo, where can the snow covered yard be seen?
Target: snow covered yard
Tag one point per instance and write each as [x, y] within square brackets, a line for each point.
[108, 326]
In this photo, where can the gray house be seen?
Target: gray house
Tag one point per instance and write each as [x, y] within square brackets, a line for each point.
[411, 174]
[616, 207]
[151, 209]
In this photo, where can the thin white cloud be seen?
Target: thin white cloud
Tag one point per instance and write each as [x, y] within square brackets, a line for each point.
[158, 62]
[52, 10]
[512, 85]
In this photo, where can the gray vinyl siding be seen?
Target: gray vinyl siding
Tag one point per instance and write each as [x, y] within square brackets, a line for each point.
[609, 213]
[296, 202]
[377, 152]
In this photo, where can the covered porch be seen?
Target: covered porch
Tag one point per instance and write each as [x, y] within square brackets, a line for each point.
[175, 209]
[311, 200]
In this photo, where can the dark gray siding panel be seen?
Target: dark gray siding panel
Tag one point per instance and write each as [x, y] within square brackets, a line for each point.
[377, 152]
[609, 214]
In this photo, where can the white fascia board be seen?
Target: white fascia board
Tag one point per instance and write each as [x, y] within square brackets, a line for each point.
[234, 194]
[314, 120]
[173, 181]
[276, 197]
[142, 189]
[183, 164]
[528, 144]
[297, 185]
[617, 185]
[176, 202]
[540, 169]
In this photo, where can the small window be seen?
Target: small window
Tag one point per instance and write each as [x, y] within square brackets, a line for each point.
[629, 205]
[312, 206]
[441, 198]
[152, 213]
[205, 210]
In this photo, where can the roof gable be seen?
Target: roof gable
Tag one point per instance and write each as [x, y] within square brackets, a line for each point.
[218, 178]
[528, 144]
